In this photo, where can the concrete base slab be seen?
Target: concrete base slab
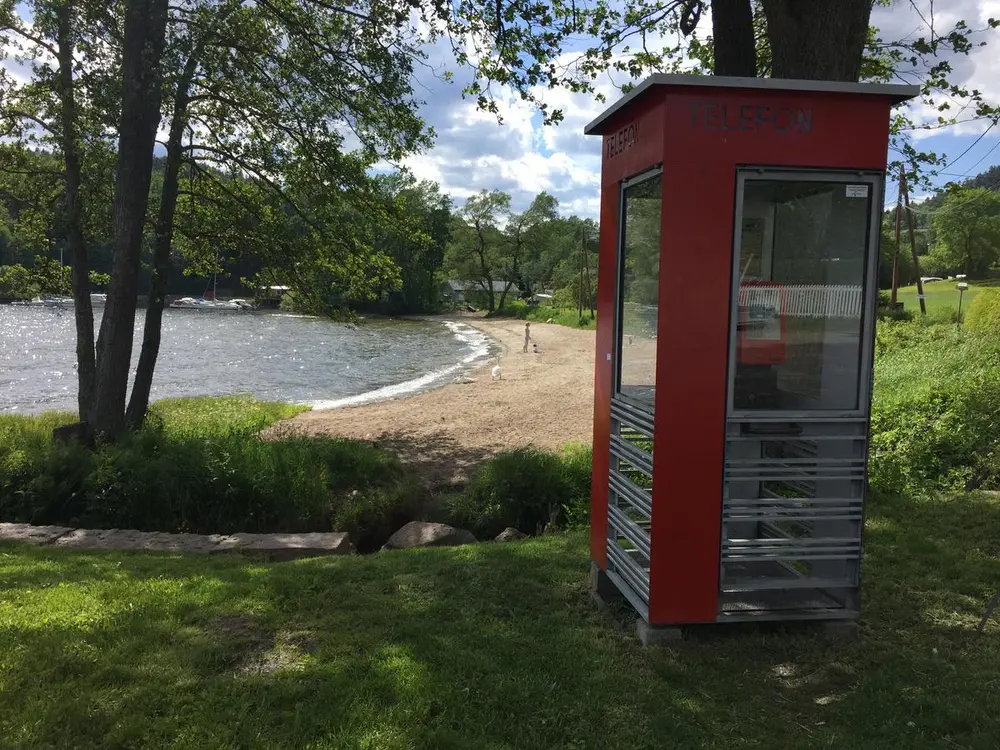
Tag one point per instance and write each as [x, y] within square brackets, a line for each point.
[657, 635]
[601, 586]
[25, 532]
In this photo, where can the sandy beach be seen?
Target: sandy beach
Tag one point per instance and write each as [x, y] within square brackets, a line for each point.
[544, 399]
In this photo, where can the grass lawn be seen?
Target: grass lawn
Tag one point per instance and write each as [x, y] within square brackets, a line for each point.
[487, 646]
[941, 297]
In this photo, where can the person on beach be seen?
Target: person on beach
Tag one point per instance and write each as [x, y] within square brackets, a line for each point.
[527, 337]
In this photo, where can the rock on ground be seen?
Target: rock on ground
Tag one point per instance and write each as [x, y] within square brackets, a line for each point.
[426, 534]
[510, 534]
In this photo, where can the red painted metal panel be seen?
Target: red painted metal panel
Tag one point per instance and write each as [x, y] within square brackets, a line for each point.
[692, 350]
[731, 126]
[633, 144]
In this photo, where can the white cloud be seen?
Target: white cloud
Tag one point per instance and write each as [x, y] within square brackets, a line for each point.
[980, 69]
[523, 157]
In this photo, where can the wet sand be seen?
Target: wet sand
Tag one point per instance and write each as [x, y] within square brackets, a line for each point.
[544, 400]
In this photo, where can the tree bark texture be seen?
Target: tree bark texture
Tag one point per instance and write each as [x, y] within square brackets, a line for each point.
[139, 400]
[75, 243]
[733, 38]
[145, 27]
[817, 39]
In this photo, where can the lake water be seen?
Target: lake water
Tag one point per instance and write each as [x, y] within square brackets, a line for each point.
[271, 355]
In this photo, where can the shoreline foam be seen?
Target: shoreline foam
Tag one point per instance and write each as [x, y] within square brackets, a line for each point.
[479, 342]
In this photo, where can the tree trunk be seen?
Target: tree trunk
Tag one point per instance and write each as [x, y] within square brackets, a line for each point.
[733, 38]
[145, 29]
[817, 40]
[151, 333]
[83, 311]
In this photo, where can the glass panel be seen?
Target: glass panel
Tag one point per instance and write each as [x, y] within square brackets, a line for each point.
[639, 290]
[802, 269]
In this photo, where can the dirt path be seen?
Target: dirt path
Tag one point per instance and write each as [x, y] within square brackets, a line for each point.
[544, 399]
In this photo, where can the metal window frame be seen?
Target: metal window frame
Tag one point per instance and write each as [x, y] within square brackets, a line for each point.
[875, 180]
[630, 579]
[623, 186]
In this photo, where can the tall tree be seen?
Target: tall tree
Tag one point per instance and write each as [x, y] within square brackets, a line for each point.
[523, 232]
[967, 230]
[415, 238]
[144, 36]
[477, 248]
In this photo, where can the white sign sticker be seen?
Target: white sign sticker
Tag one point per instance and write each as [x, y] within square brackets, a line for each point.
[857, 191]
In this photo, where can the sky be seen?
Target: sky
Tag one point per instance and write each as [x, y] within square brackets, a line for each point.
[522, 156]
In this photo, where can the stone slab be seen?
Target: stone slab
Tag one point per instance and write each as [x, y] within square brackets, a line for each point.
[130, 539]
[276, 546]
[287, 546]
[25, 532]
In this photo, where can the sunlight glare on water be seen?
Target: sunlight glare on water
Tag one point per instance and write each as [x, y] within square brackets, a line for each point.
[272, 356]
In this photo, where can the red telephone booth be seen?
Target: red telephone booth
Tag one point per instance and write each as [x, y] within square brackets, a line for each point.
[737, 283]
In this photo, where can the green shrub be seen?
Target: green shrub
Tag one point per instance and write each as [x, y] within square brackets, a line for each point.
[200, 466]
[935, 410]
[984, 312]
[884, 311]
[513, 308]
[525, 488]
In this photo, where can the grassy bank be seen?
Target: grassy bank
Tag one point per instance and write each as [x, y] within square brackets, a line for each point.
[941, 298]
[935, 409]
[545, 313]
[487, 646]
[200, 466]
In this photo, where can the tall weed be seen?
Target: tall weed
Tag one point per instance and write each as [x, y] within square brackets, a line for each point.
[201, 466]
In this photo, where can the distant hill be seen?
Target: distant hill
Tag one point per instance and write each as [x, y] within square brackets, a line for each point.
[988, 179]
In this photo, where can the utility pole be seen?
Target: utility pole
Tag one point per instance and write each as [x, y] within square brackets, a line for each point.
[913, 244]
[586, 268]
[894, 299]
[583, 258]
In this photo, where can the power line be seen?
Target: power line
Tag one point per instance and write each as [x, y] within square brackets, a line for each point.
[981, 136]
[994, 148]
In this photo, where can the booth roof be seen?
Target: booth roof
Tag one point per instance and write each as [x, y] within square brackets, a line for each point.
[897, 93]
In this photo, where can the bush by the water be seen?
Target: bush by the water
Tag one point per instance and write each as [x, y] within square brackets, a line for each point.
[542, 313]
[936, 409]
[201, 466]
[528, 489]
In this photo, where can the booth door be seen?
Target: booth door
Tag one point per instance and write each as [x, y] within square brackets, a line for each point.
[805, 259]
[631, 450]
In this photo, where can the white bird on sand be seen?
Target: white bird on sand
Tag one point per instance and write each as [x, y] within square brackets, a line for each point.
[496, 370]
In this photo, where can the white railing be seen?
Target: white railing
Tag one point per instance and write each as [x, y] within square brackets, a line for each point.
[805, 301]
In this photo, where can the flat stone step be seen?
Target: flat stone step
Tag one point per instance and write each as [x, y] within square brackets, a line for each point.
[275, 546]
[287, 546]
[25, 532]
